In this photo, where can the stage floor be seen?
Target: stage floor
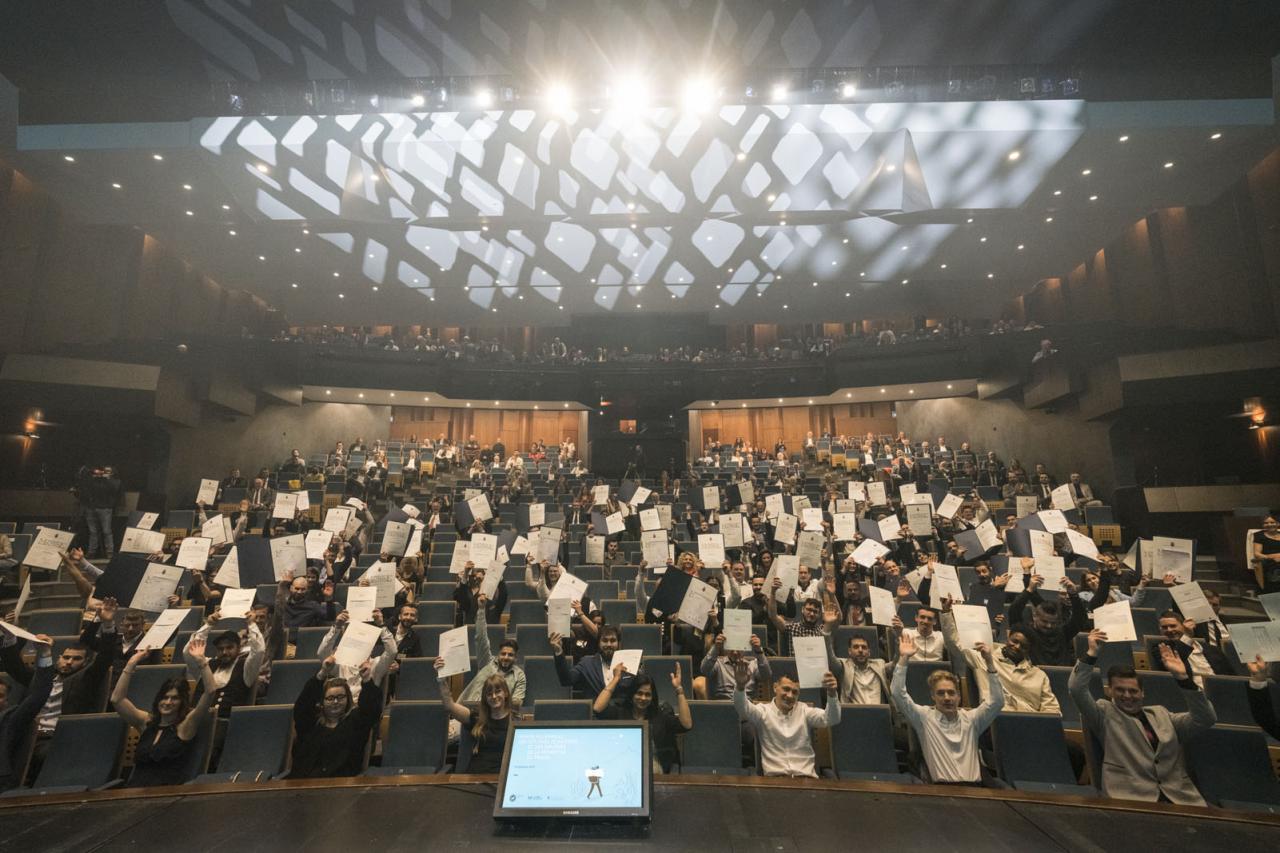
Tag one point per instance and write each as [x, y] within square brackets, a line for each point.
[731, 817]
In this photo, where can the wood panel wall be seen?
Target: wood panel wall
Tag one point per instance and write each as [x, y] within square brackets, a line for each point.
[764, 427]
[518, 428]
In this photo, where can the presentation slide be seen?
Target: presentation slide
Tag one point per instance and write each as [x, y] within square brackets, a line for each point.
[575, 768]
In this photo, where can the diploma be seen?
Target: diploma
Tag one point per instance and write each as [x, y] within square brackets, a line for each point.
[1061, 498]
[483, 547]
[289, 556]
[569, 586]
[883, 608]
[1116, 621]
[599, 495]
[361, 602]
[148, 520]
[711, 549]
[973, 624]
[235, 603]
[653, 547]
[810, 517]
[285, 505]
[357, 643]
[696, 606]
[876, 494]
[946, 582]
[844, 526]
[593, 552]
[317, 542]
[867, 552]
[614, 523]
[737, 630]
[461, 556]
[166, 624]
[785, 529]
[1053, 520]
[731, 530]
[650, 520]
[559, 612]
[193, 553]
[137, 541]
[629, 658]
[455, 649]
[811, 660]
[1192, 603]
[335, 520]
[48, 547]
[158, 583]
[207, 493]
[809, 550]
[950, 504]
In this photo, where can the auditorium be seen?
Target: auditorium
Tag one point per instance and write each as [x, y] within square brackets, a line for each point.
[719, 425]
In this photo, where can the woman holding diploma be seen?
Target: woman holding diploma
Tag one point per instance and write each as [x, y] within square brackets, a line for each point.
[642, 704]
[488, 722]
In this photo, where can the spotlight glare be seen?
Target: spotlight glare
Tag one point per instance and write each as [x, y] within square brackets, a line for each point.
[484, 99]
[848, 90]
[778, 92]
[1124, 138]
[1216, 135]
[68, 158]
[699, 95]
[1169, 165]
[630, 94]
[116, 186]
[1014, 155]
[263, 168]
[559, 98]
[418, 100]
[157, 157]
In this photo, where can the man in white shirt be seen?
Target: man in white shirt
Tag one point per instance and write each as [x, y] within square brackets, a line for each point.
[928, 640]
[864, 680]
[948, 734]
[1026, 687]
[782, 728]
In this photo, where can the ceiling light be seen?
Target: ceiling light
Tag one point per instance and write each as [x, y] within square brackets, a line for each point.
[845, 240]
[298, 250]
[1057, 192]
[1124, 138]
[942, 266]
[559, 98]
[375, 288]
[186, 186]
[905, 280]
[779, 92]
[342, 296]
[495, 402]
[484, 99]
[1169, 165]
[295, 284]
[744, 405]
[566, 405]
[891, 168]
[1014, 155]
[1021, 246]
[948, 387]
[157, 157]
[969, 221]
[393, 393]
[336, 274]
[191, 213]
[848, 90]
[982, 239]
[306, 231]
[1216, 135]
[263, 168]
[262, 257]
[1048, 219]
[903, 248]
[535, 405]
[698, 95]
[417, 100]
[425, 399]
[468, 405]
[848, 394]
[847, 295]
[1086, 172]
[1093, 198]
[911, 390]
[327, 391]
[361, 395]
[881, 390]
[226, 207]
[232, 233]
[862, 274]
[742, 155]
[810, 402]
[68, 158]
[771, 197]
[115, 186]
[991, 275]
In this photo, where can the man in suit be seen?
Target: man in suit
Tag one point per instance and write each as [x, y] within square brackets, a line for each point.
[592, 673]
[1143, 746]
[1081, 493]
[261, 496]
[1200, 658]
[16, 719]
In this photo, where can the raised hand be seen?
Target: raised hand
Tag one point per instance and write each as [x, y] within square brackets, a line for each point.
[741, 674]
[984, 650]
[1173, 662]
[555, 641]
[107, 609]
[1257, 668]
[896, 624]
[195, 647]
[1097, 638]
[342, 618]
[830, 684]
[675, 677]
[755, 643]
[830, 616]
[906, 646]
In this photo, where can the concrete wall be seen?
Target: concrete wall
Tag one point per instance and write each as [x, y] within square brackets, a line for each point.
[1063, 442]
[248, 443]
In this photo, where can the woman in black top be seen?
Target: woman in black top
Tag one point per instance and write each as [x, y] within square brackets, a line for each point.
[642, 704]
[167, 732]
[487, 721]
[1266, 553]
[331, 731]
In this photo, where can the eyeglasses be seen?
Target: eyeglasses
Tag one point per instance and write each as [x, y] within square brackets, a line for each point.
[337, 698]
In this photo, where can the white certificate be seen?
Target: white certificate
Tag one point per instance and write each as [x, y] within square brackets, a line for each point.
[395, 538]
[20, 633]
[906, 492]
[653, 547]
[317, 542]
[148, 520]
[883, 607]
[235, 603]
[537, 515]
[844, 526]
[890, 528]
[382, 578]
[304, 501]
[876, 494]
[1116, 621]
[973, 624]
[1271, 604]
[483, 547]
[649, 519]
[1147, 557]
[696, 606]
[710, 497]
[867, 552]
[1082, 546]
[23, 595]
[289, 556]
[158, 583]
[415, 539]
[844, 505]
[520, 547]
[711, 549]
[356, 644]
[950, 504]
[285, 506]
[785, 531]
[811, 660]
[593, 550]
[218, 530]
[1053, 570]
[857, 490]
[1026, 504]
[919, 519]
[559, 614]
[641, 495]
[800, 503]
[193, 553]
[357, 504]
[410, 510]
[810, 517]
[1061, 498]
[988, 536]
[335, 520]
[614, 523]
[48, 547]
[731, 529]
[461, 556]
[166, 624]
[786, 567]
[1192, 603]
[549, 544]
[569, 586]
[774, 506]
[207, 493]
[1174, 556]
[456, 650]
[228, 573]
[480, 509]
[737, 630]
[1041, 543]
[137, 541]
[809, 546]
[1053, 520]
[946, 582]
[664, 515]
[630, 658]
[361, 602]
[599, 495]
[1256, 638]
[492, 577]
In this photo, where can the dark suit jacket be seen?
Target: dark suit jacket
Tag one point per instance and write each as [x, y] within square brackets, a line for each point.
[15, 725]
[82, 692]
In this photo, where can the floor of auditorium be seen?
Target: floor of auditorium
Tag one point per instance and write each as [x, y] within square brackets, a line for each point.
[723, 815]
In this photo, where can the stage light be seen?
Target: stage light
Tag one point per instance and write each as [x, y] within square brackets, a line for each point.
[948, 387]
[191, 213]
[1093, 198]
[905, 280]
[1021, 246]
[1048, 219]
[1014, 155]
[559, 98]
[186, 186]
[1057, 192]
[360, 395]
[1217, 135]
[342, 296]
[263, 168]
[848, 90]
[484, 99]
[327, 391]
[157, 157]
[742, 155]
[418, 100]
[699, 95]
[991, 275]
[231, 233]
[630, 94]
[942, 266]
[294, 285]
[982, 239]
[778, 92]
[1086, 172]
[262, 257]
[1124, 138]
[375, 288]
[116, 186]
[1169, 165]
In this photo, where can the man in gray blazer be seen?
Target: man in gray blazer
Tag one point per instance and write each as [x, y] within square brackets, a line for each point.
[1143, 758]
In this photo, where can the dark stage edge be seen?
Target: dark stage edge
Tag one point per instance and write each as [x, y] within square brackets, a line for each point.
[698, 813]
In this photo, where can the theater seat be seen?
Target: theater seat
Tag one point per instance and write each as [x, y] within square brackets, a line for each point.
[1031, 754]
[541, 681]
[714, 744]
[1232, 768]
[532, 639]
[862, 746]
[618, 611]
[436, 612]
[307, 644]
[53, 622]
[527, 612]
[288, 678]
[561, 709]
[646, 638]
[417, 680]
[415, 740]
[257, 744]
[918, 672]
[84, 754]
[660, 669]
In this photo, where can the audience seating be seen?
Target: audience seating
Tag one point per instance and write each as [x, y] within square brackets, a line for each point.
[53, 622]
[1031, 754]
[417, 680]
[562, 709]
[714, 744]
[84, 754]
[307, 644]
[541, 679]
[646, 638]
[660, 669]
[1232, 768]
[257, 744]
[288, 677]
[862, 745]
[527, 612]
[415, 739]
[146, 682]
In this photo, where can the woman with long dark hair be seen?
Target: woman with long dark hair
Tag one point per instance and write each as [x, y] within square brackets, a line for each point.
[168, 730]
[642, 704]
[488, 721]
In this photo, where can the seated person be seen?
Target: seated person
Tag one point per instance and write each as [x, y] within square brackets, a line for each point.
[948, 733]
[235, 667]
[588, 674]
[718, 669]
[16, 720]
[503, 664]
[864, 680]
[1145, 759]
[167, 732]
[642, 704]
[467, 594]
[487, 722]
[331, 731]
[1026, 687]
[781, 729]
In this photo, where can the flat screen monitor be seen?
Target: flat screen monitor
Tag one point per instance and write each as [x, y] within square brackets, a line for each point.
[576, 770]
